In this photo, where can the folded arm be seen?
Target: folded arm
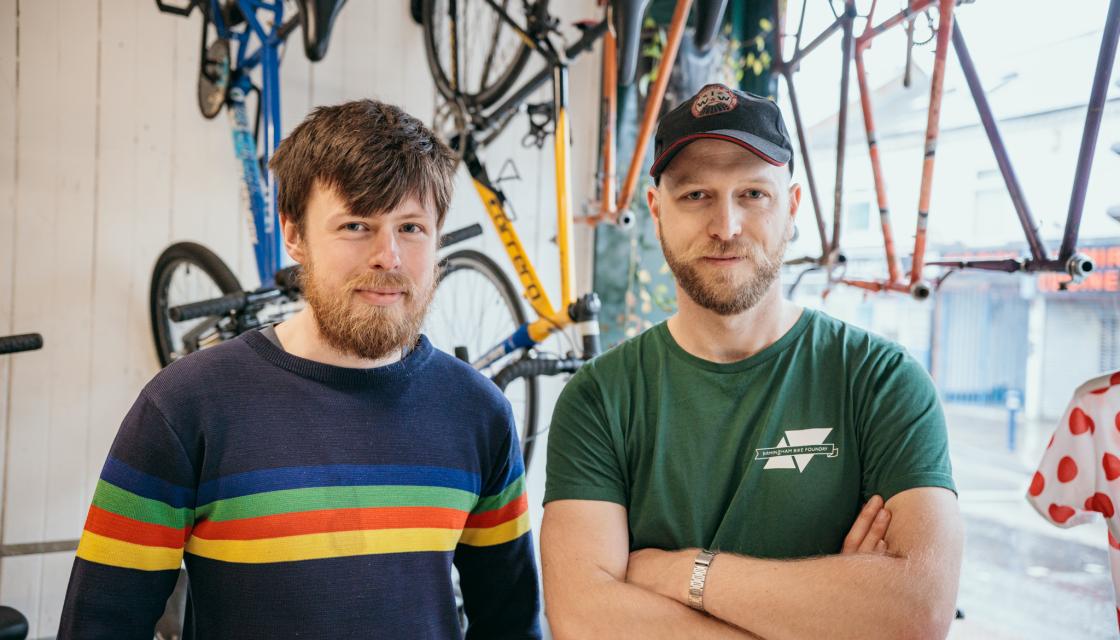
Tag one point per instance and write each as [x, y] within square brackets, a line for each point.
[908, 592]
[584, 556]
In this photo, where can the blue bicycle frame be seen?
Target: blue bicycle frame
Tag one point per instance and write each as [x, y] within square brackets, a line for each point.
[259, 183]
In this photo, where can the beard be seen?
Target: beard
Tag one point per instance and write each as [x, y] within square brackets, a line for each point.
[353, 327]
[720, 293]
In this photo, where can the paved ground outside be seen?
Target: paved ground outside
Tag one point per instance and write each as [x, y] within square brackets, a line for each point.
[1022, 576]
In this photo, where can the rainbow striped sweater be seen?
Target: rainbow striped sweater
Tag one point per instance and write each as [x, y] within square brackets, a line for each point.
[310, 501]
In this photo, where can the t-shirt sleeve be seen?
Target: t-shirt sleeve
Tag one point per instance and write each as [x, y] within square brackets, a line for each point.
[495, 557]
[583, 461]
[903, 440]
[131, 548]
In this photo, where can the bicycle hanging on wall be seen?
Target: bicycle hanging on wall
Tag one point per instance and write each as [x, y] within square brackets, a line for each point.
[239, 62]
[476, 53]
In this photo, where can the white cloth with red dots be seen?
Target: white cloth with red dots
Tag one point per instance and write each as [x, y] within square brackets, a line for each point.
[1079, 476]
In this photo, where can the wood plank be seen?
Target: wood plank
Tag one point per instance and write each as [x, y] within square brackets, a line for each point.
[408, 85]
[362, 55]
[328, 76]
[205, 180]
[55, 571]
[34, 266]
[134, 168]
[8, 147]
[71, 299]
[21, 579]
[115, 201]
[295, 82]
[153, 112]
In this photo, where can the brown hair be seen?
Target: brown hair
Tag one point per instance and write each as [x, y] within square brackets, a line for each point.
[374, 155]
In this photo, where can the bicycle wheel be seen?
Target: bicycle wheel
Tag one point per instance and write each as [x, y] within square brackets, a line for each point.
[476, 307]
[185, 272]
[491, 55]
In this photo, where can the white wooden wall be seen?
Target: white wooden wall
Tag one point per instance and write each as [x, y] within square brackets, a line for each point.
[104, 161]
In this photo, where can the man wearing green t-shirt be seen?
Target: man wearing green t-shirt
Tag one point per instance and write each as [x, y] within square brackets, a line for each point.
[724, 473]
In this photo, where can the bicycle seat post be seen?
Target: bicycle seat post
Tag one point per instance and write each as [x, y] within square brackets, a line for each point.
[585, 313]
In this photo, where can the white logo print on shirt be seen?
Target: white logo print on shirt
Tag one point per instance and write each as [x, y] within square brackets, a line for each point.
[796, 449]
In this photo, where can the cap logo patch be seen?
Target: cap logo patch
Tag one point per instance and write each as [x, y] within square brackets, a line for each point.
[713, 99]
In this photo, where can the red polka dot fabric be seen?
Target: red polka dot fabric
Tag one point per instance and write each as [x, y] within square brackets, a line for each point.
[1078, 479]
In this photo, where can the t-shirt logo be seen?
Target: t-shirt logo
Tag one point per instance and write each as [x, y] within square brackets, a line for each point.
[713, 99]
[796, 449]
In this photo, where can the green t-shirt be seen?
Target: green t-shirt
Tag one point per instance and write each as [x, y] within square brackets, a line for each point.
[771, 456]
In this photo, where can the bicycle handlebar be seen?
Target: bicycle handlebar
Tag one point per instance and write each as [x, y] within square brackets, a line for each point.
[21, 342]
[460, 235]
[287, 285]
[215, 307]
[531, 367]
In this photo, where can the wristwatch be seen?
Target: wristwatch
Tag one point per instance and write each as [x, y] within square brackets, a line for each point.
[699, 577]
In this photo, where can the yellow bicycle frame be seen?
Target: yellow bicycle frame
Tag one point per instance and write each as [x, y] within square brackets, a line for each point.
[549, 318]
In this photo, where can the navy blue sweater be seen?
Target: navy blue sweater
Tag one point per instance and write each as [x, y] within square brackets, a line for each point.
[310, 501]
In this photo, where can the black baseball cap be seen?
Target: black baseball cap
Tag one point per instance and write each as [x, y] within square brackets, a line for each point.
[720, 112]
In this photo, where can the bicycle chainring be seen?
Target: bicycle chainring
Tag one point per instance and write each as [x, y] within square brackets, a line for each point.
[213, 78]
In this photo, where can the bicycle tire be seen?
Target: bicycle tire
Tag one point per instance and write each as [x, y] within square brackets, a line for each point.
[179, 254]
[489, 93]
[448, 326]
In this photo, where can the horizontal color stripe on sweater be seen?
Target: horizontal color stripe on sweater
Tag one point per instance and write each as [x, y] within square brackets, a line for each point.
[118, 553]
[335, 475]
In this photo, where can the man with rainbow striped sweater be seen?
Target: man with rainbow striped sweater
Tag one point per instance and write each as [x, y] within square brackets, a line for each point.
[321, 478]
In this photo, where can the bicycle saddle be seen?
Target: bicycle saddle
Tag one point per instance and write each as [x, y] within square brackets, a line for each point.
[317, 18]
[627, 22]
[13, 626]
[709, 17]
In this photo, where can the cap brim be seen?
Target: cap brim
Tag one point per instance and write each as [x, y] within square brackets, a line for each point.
[764, 149]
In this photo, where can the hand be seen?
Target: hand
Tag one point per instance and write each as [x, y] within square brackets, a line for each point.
[665, 573]
[868, 531]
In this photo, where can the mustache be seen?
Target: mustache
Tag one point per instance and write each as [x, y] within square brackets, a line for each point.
[724, 248]
[382, 280]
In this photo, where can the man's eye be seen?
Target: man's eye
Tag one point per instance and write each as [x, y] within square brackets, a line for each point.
[694, 195]
[354, 226]
[410, 227]
[755, 194]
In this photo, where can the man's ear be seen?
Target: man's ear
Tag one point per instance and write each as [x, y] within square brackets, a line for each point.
[293, 240]
[794, 203]
[653, 199]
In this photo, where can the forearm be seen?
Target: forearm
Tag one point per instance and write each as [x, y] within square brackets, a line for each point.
[843, 596]
[603, 607]
[501, 596]
[113, 602]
